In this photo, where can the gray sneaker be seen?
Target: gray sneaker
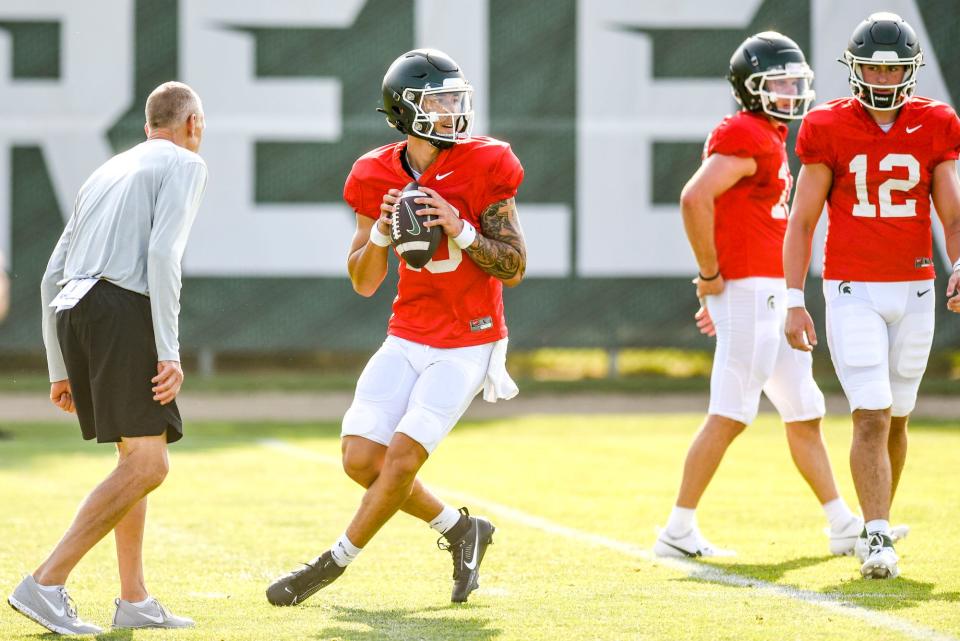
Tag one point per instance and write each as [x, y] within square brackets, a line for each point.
[152, 614]
[53, 610]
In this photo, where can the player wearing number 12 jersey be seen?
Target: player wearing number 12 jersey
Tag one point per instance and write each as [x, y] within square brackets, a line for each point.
[877, 159]
[735, 213]
[447, 337]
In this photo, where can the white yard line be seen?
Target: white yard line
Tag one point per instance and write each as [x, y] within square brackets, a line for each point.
[690, 568]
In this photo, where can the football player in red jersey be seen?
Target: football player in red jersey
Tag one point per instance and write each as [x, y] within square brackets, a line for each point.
[877, 159]
[735, 212]
[447, 337]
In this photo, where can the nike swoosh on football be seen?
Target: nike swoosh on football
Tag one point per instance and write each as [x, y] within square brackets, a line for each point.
[476, 544]
[442, 176]
[58, 611]
[414, 221]
[919, 294]
[910, 130]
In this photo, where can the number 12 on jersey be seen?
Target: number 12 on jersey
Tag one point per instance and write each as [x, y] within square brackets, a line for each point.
[864, 208]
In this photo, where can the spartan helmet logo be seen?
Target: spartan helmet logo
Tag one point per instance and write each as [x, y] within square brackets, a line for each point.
[771, 302]
[845, 287]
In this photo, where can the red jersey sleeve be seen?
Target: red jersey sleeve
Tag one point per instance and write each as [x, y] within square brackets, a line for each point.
[950, 138]
[813, 145]
[735, 137]
[355, 196]
[505, 176]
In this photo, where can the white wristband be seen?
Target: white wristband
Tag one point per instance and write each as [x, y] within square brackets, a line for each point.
[795, 298]
[956, 265]
[466, 236]
[377, 238]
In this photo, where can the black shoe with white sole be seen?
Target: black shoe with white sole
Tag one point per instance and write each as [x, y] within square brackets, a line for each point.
[467, 552]
[295, 587]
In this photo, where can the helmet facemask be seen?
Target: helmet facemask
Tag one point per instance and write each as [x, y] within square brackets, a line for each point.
[883, 97]
[443, 115]
[793, 83]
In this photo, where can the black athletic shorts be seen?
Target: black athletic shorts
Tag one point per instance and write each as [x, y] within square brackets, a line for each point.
[108, 346]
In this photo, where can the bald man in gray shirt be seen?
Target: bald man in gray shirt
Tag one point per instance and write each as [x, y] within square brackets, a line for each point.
[111, 298]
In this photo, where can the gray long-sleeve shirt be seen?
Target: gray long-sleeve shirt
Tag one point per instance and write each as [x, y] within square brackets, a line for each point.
[129, 226]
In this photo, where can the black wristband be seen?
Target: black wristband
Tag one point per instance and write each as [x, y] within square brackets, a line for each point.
[705, 279]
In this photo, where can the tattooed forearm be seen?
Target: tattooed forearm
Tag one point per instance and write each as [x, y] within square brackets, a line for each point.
[499, 249]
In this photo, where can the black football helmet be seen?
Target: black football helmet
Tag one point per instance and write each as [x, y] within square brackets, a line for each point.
[426, 95]
[768, 69]
[883, 39]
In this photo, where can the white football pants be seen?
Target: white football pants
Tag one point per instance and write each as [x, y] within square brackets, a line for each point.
[753, 355]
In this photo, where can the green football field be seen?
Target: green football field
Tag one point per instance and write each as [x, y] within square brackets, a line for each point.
[575, 499]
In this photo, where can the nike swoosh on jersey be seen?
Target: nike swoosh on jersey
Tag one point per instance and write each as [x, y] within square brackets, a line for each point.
[442, 176]
[919, 294]
[910, 130]
[476, 544]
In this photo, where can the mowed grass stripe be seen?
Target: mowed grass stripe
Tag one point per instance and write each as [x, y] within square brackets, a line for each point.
[698, 571]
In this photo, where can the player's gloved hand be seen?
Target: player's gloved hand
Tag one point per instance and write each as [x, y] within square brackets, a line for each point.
[447, 216]
[799, 329]
[704, 322]
[387, 207]
[61, 396]
[953, 292]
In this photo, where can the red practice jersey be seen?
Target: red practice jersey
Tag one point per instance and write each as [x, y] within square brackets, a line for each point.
[751, 217]
[879, 203]
[450, 302]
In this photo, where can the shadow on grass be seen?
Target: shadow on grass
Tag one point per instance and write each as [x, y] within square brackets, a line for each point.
[406, 624]
[771, 572]
[108, 635]
[895, 594]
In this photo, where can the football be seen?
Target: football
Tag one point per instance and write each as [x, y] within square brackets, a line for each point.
[415, 243]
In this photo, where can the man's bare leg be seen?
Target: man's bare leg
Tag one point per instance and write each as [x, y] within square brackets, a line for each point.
[704, 456]
[128, 535]
[391, 489]
[136, 475]
[870, 462]
[897, 449]
[810, 456]
[362, 461]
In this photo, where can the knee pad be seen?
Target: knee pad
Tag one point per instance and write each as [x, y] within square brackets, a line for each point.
[911, 359]
[873, 395]
[363, 419]
[425, 426]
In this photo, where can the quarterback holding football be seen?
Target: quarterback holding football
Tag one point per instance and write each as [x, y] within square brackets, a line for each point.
[876, 159]
[447, 336]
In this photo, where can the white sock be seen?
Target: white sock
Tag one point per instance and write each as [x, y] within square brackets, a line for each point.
[48, 588]
[447, 518]
[682, 520]
[838, 514]
[140, 604]
[880, 526]
[343, 551]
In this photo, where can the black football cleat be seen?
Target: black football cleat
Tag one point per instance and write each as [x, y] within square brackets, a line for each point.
[467, 552]
[297, 586]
